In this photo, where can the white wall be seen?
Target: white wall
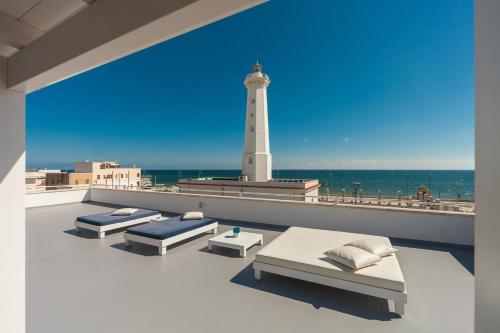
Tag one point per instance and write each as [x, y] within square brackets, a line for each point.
[12, 215]
[429, 226]
[56, 197]
[487, 251]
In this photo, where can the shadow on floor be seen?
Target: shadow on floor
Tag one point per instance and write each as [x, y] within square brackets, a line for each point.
[222, 251]
[149, 250]
[229, 253]
[463, 254]
[89, 234]
[253, 225]
[137, 248]
[363, 306]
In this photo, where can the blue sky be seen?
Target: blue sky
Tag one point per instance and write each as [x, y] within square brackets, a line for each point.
[359, 84]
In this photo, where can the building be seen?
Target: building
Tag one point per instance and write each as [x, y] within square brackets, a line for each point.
[94, 173]
[256, 165]
[34, 179]
[280, 189]
[110, 174]
[68, 178]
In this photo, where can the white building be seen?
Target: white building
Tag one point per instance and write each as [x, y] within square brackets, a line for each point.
[110, 174]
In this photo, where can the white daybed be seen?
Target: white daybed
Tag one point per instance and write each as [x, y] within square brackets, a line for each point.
[299, 253]
[169, 231]
[103, 222]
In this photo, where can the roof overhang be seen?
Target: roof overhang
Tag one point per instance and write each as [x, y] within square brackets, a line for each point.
[108, 30]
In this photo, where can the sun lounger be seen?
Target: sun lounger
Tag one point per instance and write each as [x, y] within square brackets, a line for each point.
[103, 222]
[299, 253]
[169, 231]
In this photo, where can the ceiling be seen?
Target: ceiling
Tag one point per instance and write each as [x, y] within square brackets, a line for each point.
[23, 21]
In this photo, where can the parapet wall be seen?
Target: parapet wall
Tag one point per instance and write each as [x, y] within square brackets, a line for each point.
[435, 226]
[56, 197]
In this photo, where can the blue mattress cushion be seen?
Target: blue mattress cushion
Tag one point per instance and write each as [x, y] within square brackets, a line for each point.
[168, 228]
[107, 219]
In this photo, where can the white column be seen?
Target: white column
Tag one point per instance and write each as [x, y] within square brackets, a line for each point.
[12, 214]
[487, 222]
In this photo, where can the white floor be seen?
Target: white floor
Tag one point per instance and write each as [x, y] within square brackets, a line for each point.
[84, 284]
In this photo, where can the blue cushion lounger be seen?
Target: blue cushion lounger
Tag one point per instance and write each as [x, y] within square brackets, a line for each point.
[107, 218]
[168, 228]
[169, 231]
[106, 221]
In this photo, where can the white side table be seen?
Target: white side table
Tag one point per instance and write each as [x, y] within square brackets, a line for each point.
[241, 243]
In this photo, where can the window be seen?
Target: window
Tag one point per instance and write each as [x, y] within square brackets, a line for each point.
[250, 160]
[253, 100]
[252, 129]
[87, 181]
[76, 182]
[138, 174]
[251, 115]
[121, 175]
[98, 176]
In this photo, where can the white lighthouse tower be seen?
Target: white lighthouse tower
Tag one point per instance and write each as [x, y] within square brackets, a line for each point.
[256, 162]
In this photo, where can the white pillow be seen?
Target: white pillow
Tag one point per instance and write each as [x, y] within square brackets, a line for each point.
[124, 211]
[376, 246]
[352, 257]
[192, 216]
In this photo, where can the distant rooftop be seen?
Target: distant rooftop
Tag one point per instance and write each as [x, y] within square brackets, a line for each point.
[233, 181]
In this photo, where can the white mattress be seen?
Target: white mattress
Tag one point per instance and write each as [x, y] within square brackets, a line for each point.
[303, 249]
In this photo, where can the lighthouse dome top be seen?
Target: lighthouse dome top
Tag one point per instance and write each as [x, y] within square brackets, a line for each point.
[257, 68]
[257, 77]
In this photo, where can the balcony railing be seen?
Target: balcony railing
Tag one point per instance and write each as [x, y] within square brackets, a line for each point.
[368, 201]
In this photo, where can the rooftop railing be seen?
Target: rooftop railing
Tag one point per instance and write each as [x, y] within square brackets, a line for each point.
[326, 198]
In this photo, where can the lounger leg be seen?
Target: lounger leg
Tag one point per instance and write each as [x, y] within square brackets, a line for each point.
[214, 231]
[127, 243]
[399, 308]
[162, 250]
[100, 234]
[243, 253]
[209, 247]
[261, 242]
[77, 230]
[257, 273]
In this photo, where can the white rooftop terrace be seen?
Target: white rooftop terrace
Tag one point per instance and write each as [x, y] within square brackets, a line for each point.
[78, 283]
[74, 39]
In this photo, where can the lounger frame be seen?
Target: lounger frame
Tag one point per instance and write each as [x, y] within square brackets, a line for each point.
[162, 244]
[101, 230]
[399, 298]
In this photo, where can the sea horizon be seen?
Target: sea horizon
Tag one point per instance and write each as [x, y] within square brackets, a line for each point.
[444, 184]
[447, 184]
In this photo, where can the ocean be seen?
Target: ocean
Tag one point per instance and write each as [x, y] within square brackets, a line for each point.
[444, 184]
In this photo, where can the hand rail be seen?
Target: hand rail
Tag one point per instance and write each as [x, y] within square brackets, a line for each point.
[329, 198]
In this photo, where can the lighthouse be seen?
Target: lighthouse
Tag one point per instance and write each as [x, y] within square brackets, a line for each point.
[256, 160]
[256, 180]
